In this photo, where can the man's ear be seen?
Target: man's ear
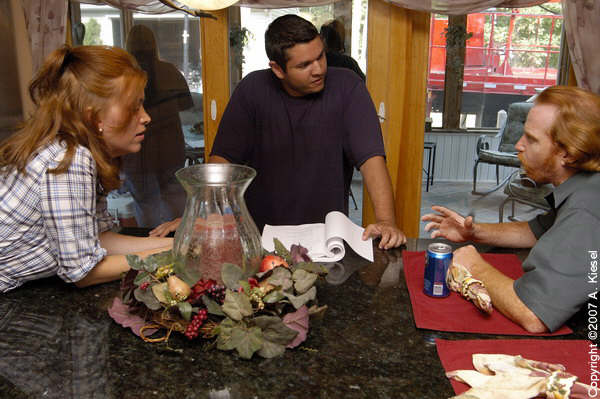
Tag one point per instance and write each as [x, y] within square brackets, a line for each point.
[277, 70]
[565, 158]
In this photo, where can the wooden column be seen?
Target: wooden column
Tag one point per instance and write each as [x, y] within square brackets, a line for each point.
[215, 73]
[398, 42]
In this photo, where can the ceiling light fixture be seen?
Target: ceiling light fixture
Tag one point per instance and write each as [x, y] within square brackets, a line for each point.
[197, 7]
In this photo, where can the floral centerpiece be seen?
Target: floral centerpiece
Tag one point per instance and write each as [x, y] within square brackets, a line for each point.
[263, 314]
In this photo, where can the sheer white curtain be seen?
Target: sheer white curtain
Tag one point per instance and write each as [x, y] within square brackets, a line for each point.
[46, 22]
[145, 6]
[460, 7]
[582, 21]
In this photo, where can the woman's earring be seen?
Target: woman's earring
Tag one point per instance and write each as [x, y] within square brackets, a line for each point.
[100, 130]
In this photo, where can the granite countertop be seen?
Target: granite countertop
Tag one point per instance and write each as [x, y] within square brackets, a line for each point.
[58, 341]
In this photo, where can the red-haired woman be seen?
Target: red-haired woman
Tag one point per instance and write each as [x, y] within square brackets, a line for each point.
[56, 170]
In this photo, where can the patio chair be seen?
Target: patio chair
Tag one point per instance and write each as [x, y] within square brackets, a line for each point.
[522, 189]
[509, 134]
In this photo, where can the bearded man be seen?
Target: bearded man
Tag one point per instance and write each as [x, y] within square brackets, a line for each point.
[560, 145]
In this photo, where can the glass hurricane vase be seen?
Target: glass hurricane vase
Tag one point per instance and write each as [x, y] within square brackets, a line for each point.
[216, 226]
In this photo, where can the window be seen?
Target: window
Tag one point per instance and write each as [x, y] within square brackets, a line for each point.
[177, 37]
[511, 54]
[247, 33]
[102, 25]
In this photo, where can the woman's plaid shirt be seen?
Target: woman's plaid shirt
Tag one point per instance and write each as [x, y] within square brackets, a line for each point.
[50, 223]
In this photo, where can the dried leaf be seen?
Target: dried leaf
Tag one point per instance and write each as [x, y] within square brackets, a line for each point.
[120, 313]
[160, 292]
[231, 275]
[303, 280]
[225, 329]
[142, 277]
[245, 286]
[237, 305]
[212, 307]
[311, 267]
[281, 250]
[154, 261]
[281, 277]
[147, 297]
[317, 311]
[273, 296]
[135, 262]
[299, 254]
[246, 340]
[299, 301]
[297, 321]
[274, 330]
[270, 349]
[188, 275]
[185, 309]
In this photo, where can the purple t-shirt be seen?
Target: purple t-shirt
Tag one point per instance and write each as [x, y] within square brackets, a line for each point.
[303, 148]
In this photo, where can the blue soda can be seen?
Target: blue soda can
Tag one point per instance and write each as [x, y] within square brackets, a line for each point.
[437, 261]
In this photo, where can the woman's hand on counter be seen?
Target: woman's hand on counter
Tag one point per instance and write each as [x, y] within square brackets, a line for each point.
[165, 228]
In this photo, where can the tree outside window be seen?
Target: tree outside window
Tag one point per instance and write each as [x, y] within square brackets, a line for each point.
[509, 56]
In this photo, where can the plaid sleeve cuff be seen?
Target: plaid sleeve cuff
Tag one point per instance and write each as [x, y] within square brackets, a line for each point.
[104, 220]
[72, 274]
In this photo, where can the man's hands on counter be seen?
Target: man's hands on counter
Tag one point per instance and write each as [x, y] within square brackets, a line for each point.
[391, 236]
[163, 229]
[449, 224]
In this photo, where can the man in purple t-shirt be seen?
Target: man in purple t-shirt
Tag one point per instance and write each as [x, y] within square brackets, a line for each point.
[304, 128]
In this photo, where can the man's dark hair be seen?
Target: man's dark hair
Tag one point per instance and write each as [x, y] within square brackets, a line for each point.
[285, 32]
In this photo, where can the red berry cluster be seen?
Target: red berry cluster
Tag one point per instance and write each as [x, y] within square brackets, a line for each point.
[217, 293]
[144, 286]
[193, 329]
[200, 288]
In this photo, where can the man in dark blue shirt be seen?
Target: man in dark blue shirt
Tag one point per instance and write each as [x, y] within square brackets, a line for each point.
[304, 128]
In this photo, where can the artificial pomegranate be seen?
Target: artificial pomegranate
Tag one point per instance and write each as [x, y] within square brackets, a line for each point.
[271, 261]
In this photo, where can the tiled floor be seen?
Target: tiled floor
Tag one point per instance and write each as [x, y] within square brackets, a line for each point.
[457, 196]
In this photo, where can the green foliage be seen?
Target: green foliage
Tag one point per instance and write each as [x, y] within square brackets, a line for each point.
[147, 298]
[275, 330]
[92, 33]
[212, 307]
[303, 280]
[318, 15]
[282, 251]
[281, 277]
[528, 33]
[311, 267]
[185, 273]
[237, 305]
[185, 309]
[263, 315]
[231, 275]
[273, 296]
[234, 335]
[301, 300]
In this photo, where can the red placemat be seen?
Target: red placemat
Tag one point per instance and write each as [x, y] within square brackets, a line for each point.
[573, 354]
[455, 313]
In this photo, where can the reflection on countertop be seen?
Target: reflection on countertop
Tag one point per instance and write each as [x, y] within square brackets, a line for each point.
[57, 341]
